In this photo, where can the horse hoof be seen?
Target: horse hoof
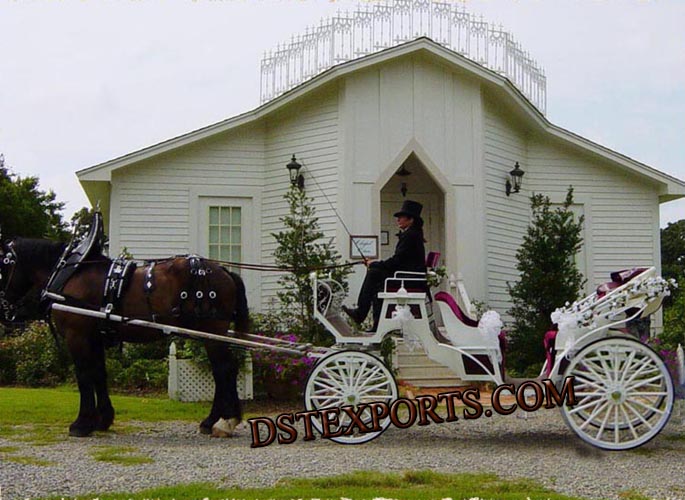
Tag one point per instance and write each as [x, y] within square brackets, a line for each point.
[225, 428]
[105, 421]
[81, 433]
[205, 430]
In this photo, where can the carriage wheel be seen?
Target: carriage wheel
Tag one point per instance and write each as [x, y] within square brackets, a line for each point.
[350, 378]
[624, 394]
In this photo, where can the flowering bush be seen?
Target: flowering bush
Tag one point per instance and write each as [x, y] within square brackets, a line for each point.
[667, 353]
[281, 375]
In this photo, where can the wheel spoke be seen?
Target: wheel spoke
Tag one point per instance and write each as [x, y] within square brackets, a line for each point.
[360, 373]
[350, 377]
[648, 408]
[577, 408]
[624, 391]
[638, 415]
[645, 382]
[594, 413]
[627, 366]
[604, 423]
[645, 363]
[631, 393]
[630, 424]
[327, 386]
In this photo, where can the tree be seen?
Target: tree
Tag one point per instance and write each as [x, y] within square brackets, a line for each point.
[27, 211]
[301, 247]
[549, 278]
[673, 266]
[673, 255]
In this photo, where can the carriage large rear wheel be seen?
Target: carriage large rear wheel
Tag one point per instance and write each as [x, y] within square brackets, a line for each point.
[624, 394]
[350, 378]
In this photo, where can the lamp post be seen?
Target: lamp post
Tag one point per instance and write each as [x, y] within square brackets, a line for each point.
[296, 178]
[513, 184]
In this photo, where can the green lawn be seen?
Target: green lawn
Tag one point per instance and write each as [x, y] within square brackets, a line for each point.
[40, 417]
[59, 406]
[419, 485]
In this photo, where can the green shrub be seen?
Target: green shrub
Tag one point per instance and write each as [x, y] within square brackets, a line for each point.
[142, 374]
[548, 279]
[8, 363]
[674, 321]
[136, 367]
[33, 358]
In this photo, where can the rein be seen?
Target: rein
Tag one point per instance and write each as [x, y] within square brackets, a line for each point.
[239, 265]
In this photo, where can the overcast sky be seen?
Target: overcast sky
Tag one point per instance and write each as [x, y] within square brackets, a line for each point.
[85, 81]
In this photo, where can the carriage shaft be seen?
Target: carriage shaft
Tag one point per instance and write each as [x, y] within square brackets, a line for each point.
[177, 330]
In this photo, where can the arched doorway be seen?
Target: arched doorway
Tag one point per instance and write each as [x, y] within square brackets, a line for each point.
[412, 181]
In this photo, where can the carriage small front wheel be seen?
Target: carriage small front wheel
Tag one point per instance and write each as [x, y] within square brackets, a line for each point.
[624, 394]
[350, 378]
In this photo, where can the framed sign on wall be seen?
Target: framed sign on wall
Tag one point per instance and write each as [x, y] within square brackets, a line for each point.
[363, 246]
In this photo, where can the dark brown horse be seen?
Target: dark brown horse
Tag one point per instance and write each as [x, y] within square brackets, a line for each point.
[183, 291]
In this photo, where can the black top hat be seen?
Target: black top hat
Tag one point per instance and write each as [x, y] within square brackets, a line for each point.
[410, 209]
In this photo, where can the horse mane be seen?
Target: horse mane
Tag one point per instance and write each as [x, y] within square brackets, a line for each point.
[40, 253]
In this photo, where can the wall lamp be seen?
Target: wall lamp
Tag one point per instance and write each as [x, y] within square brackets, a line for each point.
[296, 178]
[513, 184]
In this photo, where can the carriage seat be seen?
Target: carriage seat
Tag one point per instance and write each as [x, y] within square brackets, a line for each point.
[414, 282]
[619, 278]
[446, 298]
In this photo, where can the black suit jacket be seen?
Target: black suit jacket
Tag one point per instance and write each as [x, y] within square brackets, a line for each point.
[410, 254]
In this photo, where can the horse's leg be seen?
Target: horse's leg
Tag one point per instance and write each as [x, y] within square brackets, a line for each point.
[226, 405]
[104, 404]
[86, 353]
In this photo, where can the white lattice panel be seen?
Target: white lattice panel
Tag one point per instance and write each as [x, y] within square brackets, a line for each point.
[190, 382]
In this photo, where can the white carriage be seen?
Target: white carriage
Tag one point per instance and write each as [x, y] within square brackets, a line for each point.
[623, 388]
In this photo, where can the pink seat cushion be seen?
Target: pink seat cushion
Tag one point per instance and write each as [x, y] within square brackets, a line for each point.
[548, 343]
[432, 259]
[619, 278]
[626, 275]
[449, 300]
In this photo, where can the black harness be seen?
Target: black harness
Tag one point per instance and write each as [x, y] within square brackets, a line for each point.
[199, 289]
[116, 282]
[75, 254]
[8, 259]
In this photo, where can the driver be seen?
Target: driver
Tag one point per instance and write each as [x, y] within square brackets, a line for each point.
[410, 255]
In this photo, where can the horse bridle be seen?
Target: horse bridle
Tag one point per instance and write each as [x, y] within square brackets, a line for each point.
[8, 261]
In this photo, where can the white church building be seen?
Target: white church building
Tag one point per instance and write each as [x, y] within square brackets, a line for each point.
[402, 100]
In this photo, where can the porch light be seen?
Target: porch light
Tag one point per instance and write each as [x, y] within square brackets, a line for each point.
[513, 184]
[403, 172]
[296, 178]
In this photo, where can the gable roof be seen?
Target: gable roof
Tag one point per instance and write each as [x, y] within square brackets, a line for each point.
[671, 187]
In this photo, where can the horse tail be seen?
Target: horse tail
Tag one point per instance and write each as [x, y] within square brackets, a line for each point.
[241, 314]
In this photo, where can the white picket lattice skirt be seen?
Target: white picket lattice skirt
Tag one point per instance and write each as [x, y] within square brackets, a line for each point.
[190, 382]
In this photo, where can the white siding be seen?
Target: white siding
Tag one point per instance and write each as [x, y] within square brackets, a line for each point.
[152, 200]
[620, 210]
[310, 131]
[412, 105]
[506, 217]
[352, 136]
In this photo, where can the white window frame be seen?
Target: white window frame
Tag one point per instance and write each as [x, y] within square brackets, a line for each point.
[249, 201]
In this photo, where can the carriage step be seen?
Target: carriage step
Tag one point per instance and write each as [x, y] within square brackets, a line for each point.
[432, 382]
[425, 373]
[415, 368]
